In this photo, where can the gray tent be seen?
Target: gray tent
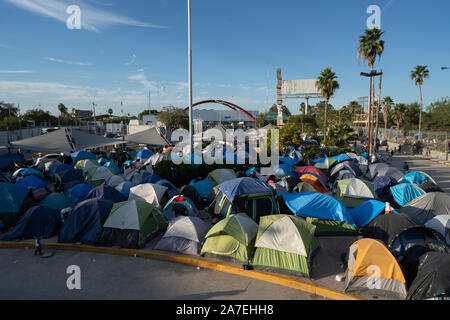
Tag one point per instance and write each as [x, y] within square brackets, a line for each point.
[427, 206]
[64, 140]
[184, 235]
[150, 136]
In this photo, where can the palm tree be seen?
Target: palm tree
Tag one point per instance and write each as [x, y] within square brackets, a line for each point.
[110, 111]
[418, 74]
[399, 115]
[62, 109]
[387, 104]
[370, 46]
[327, 85]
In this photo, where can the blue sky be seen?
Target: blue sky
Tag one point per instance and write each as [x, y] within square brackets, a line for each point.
[127, 48]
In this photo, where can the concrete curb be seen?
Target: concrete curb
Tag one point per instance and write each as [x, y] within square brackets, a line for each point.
[193, 261]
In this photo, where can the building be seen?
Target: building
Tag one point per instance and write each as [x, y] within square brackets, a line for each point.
[217, 116]
[79, 114]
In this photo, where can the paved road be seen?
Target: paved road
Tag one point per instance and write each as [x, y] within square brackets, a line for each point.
[439, 172]
[110, 277]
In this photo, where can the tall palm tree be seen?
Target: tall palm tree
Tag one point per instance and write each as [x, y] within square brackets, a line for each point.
[398, 114]
[370, 46]
[387, 104]
[418, 74]
[327, 84]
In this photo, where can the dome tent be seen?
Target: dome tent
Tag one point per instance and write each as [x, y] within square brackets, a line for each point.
[184, 235]
[221, 175]
[243, 195]
[105, 192]
[368, 257]
[98, 175]
[131, 223]
[151, 193]
[404, 193]
[14, 202]
[417, 177]
[124, 188]
[85, 165]
[354, 191]
[170, 209]
[232, 237]
[37, 220]
[57, 201]
[285, 242]
[79, 192]
[427, 206]
[85, 222]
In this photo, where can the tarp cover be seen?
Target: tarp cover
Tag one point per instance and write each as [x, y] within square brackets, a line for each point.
[317, 205]
[150, 136]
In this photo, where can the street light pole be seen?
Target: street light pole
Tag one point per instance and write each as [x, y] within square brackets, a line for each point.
[191, 138]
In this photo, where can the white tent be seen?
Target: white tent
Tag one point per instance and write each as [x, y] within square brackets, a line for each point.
[151, 193]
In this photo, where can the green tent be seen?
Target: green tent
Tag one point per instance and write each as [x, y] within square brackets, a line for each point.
[285, 242]
[352, 192]
[304, 187]
[97, 175]
[233, 237]
[86, 164]
[221, 175]
[131, 223]
[331, 227]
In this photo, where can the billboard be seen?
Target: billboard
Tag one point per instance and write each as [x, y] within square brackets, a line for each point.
[305, 87]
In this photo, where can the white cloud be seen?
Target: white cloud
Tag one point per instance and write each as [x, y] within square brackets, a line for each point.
[133, 58]
[69, 62]
[92, 19]
[5, 46]
[16, 71]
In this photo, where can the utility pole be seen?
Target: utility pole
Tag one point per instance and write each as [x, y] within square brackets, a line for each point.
[95, 121]
[378, 107]
[191, 127]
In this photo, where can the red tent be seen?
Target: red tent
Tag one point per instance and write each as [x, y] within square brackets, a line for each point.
[311, 169]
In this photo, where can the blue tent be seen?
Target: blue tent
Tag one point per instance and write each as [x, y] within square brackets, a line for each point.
[367, 211]
[105, 192]
[79, 192]
[6, 161]
[12, 197]
[133, 153]
[3, 177]
[126, 163]
[319, 160]
[124, 188]
[284, 170]
[342, 157]
[102, 161]
[57, 168]
[364, 155]
[82, 155]
[203, 187]
[153, 178]
[32, 181]
[172, 190]
[69, 178]
[250, 171]
[382, 183]
[169, 212]
[317, 205]
[37, 220]
[144, 154]
[32, 172]
[112, 165]
[241, 186]
[57, 201]
[415, 177]
[289, 161]
[405, 192]
[85, 222]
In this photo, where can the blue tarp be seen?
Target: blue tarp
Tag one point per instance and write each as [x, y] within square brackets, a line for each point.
[381, 183]
[414, 177]
[37, 220]
[203, 187]
[114, 166]
[82, 155]
[289, 161]
[317, 205]
[79, 192]
[6, 161]
[144, 154]
[367, 211]
[32, 172]
[342, 157]
[31, 181]
[11, 197]
[405, 192]
[85, 222]
[57, 201]
[124, 188]
[105, 192]
[241, 186]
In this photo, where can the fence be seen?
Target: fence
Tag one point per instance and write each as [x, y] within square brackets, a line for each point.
[434, 140]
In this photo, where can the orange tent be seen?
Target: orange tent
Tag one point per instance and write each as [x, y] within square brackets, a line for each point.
[315, 182]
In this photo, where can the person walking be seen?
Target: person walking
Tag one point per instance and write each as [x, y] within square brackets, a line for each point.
[405, 167]
[37, 245]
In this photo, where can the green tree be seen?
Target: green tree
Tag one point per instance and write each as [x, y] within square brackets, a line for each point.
[40, 116]
[398, 114]
[8, 109]
[174, 118]
[327, 85]
[110, 111]
[412, 116]
[341, 135]
[290, 134]
[285, 110]
[439, 115]
[418, 75]
[147, 112]
[9, 123]
[387, 104]
[63, 110]
[306, 123]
